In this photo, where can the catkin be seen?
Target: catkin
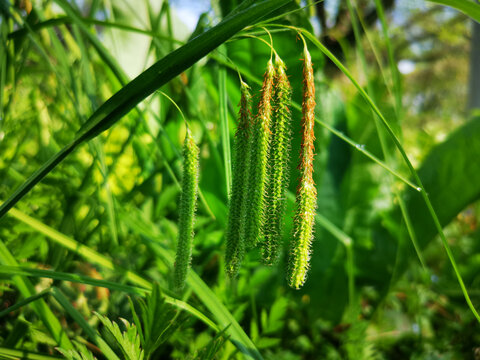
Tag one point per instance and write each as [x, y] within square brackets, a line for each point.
[235, 249]
[306, 192]
[188, 201]
[257, 173]
[278, 165]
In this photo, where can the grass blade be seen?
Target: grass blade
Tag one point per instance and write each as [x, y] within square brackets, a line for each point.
[57, 275]
[400, 148]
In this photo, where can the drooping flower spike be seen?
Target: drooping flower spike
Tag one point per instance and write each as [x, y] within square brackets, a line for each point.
[188, 204]
[306, 197]
[258, 157]
[235, 233]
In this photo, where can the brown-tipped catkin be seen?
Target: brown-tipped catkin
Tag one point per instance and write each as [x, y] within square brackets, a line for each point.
[278, 164]
[188, 203]
[258, 157]
[235, 250]
[306, 192]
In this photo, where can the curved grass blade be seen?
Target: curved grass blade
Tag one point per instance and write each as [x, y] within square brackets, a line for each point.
[147, 82]
[227, 158]
[95, 258]
[62, 20]
[213, 304]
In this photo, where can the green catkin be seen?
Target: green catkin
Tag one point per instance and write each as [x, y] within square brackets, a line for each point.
[188, 202]
[278, 165]
[235, 250]
[306, 198]
[258, 153]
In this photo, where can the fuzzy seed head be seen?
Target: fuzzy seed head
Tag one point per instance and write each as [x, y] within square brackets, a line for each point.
[235, 250]
[188, 203]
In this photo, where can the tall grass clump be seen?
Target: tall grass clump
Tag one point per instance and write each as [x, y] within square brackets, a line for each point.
[235, 233]
[188, 203]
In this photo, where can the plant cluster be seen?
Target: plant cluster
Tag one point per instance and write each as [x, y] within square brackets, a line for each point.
[261, 174]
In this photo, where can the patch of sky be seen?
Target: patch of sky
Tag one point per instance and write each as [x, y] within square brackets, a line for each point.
[406, 66]
[188, 11]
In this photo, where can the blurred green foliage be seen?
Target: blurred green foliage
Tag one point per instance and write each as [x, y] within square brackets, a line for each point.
[118, 194]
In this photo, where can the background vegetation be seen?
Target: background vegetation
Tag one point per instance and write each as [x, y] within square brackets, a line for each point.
[87, 255]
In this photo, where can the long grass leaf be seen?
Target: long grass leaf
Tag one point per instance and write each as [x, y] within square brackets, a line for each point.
[23, 302]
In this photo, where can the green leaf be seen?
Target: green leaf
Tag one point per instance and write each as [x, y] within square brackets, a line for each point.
[451, 176]
[128, 340]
